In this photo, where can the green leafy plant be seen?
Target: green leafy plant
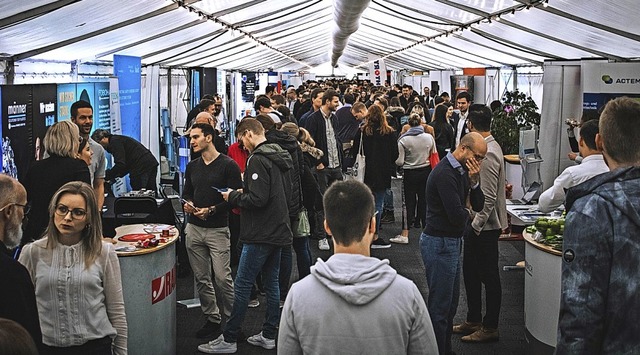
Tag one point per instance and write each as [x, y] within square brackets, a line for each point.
[518, 111]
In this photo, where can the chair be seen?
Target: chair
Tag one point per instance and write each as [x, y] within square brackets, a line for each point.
[134, 210]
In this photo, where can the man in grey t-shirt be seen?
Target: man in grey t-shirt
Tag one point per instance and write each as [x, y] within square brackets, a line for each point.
[82, 116]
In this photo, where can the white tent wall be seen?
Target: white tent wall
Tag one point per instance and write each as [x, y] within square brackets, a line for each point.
[562, 98]
[150, 110]
[173, 97]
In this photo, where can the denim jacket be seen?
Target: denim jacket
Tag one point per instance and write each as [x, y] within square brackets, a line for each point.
[600, 304]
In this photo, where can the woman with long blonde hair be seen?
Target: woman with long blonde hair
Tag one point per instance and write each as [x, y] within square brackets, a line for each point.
[77, 278]
[46, 176]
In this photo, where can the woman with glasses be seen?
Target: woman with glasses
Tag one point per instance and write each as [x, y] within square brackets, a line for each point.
[46, 176]
[77, 278]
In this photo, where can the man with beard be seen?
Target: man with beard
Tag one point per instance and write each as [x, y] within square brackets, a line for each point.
[82, 116]
[17, 295]
[453, 186]
[208, 244]
[322, 127]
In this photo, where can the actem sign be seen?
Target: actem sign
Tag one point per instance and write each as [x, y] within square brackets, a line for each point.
[163, 286]
[610, 78]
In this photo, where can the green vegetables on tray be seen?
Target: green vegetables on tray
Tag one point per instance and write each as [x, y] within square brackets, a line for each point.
[548, 231]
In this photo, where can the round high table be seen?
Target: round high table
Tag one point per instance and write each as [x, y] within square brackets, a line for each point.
[148, 287]
[542, 280]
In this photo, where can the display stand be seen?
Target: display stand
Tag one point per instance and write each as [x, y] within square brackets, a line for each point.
[542, 290]
[148, 288]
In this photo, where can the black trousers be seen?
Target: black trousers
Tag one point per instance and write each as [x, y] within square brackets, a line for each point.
[145, 180]
[480, 266]
[94, 347]
[415, 185]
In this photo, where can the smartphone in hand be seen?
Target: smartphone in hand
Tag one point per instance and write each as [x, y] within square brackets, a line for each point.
[188, 204]
[220, 189]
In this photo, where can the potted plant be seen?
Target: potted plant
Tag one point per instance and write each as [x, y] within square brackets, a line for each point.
[518, 111]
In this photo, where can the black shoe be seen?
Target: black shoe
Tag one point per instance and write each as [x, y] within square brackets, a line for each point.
[387, 217]
[209, 329]
[380, 244]
[416, 224]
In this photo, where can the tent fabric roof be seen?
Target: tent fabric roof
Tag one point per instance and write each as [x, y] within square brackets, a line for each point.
[297, 34]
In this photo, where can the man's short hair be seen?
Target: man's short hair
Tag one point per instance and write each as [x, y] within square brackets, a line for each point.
[208, 97]
[315, 93]
[98, 134]
[464, 95]
[269, 89]
[207, 129]
[8, 190]
[620, 129]
[438, 100]
[77, 105]
[480, 117]
[279, 99]
[358, 107]
[262, 101]
[250, 124]
[205, 103]
[349, 99]
[348, 209]
[588, 131]
[444, 94]
[383, 102]
[329, 95]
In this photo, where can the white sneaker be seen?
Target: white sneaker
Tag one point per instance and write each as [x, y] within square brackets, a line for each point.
[323, 244]
[399, 239]
[259, 340]
[218, 346]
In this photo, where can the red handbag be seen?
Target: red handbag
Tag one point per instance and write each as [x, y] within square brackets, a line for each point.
[434, 159]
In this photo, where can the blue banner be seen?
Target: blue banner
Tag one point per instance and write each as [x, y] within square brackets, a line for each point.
[127, 69]
[66, 97]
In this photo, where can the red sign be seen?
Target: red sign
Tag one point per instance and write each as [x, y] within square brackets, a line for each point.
[163, 286]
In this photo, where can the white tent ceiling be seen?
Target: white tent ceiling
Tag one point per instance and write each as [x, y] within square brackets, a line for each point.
[297, 34]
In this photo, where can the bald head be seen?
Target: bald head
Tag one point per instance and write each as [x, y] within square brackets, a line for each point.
[13, 198]
[471, 145]
[205, 117]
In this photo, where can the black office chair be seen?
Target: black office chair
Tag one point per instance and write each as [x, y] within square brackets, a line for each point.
[134, 210]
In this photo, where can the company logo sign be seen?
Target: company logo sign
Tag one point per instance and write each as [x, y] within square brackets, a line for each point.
[607, 79]
[163, 286]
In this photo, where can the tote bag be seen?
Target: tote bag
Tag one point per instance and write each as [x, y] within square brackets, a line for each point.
[359, 165]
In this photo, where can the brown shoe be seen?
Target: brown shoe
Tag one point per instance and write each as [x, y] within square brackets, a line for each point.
[466, 328]
[484, 335]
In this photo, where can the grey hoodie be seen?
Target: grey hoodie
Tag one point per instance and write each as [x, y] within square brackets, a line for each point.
[353, 304]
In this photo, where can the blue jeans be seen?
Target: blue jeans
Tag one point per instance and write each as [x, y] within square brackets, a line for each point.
[256, 258]
[303, 256]
[441, 257]
[378, 196]
[388, 200]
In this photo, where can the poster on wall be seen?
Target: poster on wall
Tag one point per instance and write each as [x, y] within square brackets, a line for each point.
[66, 97]
[249, 86]
[101, 109]
[606, 81]
[460, 83]
[44, 115]
[16, 107]
[127, 69]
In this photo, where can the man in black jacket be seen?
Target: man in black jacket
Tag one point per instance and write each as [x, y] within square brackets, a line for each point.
[454, 180]
[17, 295]
[265, 229]
[130, 157]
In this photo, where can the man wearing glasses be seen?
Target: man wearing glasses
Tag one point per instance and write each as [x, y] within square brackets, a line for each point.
[17, 295]
[480, 261]
[453, 182]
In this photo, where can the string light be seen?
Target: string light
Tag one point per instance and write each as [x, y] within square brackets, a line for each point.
[245, 35]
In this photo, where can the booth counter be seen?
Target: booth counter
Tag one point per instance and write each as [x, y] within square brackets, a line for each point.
[148, 286]
[542, 279]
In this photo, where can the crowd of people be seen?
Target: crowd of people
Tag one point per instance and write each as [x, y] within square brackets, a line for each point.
[251, 205]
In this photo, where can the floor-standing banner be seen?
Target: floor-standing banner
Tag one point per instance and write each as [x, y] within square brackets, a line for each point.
[16, 106]
[127, 69]
[101, 107]
[44, 115]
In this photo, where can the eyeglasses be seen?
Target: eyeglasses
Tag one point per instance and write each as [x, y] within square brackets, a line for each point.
[477, 157]
[76, 213]
[25, 208]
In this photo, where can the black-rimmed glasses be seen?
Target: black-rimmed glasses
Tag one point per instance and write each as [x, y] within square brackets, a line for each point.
[477, 157]
[76, 213]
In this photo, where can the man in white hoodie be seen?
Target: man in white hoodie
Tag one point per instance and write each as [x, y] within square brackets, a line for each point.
[352, 288]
